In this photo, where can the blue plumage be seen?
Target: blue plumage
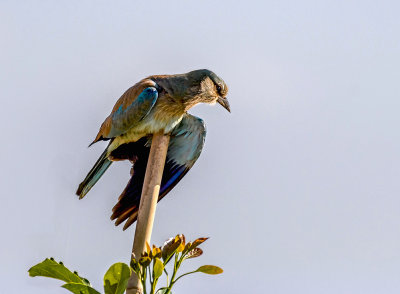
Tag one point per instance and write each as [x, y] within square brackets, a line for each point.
[99, 168]
[121, 120]
[185, 146]
[173, 175]
[124, 117]
[157, 104]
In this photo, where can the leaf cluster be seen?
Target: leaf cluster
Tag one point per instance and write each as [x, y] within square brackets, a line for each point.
[154, 260]
[149, 268]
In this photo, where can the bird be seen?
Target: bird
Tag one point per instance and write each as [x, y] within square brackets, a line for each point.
[156, 104]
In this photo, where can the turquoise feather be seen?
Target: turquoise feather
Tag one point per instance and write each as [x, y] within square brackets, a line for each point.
[156, 104]
[124, 119]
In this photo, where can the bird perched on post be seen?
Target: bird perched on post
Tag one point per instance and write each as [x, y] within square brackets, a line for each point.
[156, 104]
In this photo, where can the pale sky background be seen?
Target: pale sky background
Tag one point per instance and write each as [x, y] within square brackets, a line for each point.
[298, 188]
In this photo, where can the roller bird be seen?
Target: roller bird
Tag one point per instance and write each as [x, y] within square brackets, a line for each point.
[158, 103]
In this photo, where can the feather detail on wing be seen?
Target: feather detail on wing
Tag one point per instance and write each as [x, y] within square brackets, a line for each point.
[133, 106]
[186, 144]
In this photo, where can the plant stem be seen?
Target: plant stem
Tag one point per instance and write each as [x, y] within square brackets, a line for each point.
[177, 265]
[152, 280]
[167, 277]
[171, 283]
[144, 280]
[184, 275]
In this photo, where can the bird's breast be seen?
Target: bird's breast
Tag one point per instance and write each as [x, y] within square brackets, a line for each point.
[159, 123]
[153, 123]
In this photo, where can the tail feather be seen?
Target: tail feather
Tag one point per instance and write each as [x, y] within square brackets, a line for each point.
[185, 146]
[128, 203]
[99, 168]
[127, 207]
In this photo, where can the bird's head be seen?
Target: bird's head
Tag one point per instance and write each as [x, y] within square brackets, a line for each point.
[198, 86]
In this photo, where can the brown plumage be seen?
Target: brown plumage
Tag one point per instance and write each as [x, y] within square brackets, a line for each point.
[156, 104]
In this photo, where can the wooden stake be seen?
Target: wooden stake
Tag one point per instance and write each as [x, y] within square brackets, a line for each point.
[148, 202]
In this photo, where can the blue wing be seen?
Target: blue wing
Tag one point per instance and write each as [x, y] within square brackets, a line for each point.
[124, 119]
[133, 106]
[118, 122]
[186, 144]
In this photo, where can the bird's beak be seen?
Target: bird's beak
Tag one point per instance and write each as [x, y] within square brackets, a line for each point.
[224, 102]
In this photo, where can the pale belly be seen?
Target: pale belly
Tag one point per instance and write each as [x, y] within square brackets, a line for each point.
[149, 125]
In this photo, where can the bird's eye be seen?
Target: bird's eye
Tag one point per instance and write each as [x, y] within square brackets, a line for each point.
[219, 88]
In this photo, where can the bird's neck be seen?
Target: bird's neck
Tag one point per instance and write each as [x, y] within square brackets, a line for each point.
[167, 115]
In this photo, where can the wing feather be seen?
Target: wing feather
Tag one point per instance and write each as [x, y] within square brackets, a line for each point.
[186, 144]
[133, 106]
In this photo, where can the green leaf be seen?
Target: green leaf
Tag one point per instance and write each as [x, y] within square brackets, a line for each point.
[52, 269]
[80, 288]
[158, 268]
[210, 270]
[116, 278]
[162, 290]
